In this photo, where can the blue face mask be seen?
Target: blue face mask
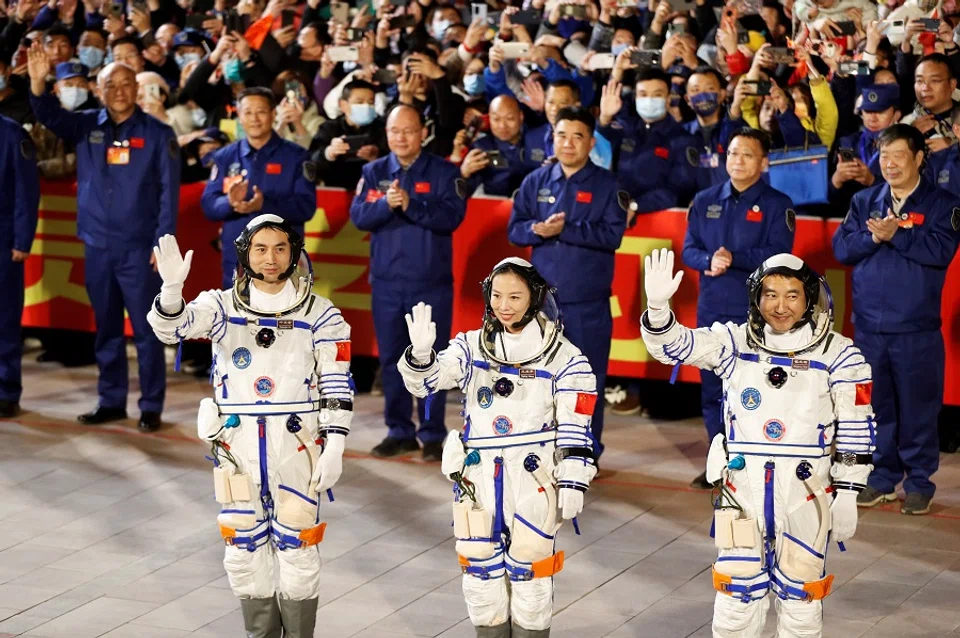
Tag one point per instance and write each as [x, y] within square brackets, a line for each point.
[91, 57]
[705, 104]
[474, 84]
[362, 114]
[186, 58]
[617, 49]
[651, 108]
[233, 71]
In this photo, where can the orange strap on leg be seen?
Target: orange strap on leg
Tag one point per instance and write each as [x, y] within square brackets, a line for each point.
[312, 536]
[228, 534]
[819, 589]
[548, 566]
[720, 582]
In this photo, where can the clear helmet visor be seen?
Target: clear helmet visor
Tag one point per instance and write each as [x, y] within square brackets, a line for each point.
[546, 324]
[819, 318]
[302, 278]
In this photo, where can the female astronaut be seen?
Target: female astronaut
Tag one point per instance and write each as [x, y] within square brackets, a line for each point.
[525, 456]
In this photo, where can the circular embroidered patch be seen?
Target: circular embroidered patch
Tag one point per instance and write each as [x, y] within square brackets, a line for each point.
[264, 386]
[750, 398]
[241, 358]
[502, 426]
[774, 430]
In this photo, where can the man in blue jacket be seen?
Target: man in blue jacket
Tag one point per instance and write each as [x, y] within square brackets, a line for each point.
[20, 182]
[128, 193]
[731, 229]
[411, 202]
[499, 161]
[900, 237]
[573, 213]
[259, 175]
[656, 159]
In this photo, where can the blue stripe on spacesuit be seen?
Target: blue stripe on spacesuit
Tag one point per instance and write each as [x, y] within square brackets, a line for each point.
[268, 323]
[782, 361]
[265, 499]
[300, 494]
[533, 527]
[498, 497]
[803, 545]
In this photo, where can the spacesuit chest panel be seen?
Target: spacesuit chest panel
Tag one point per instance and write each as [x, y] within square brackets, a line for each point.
[779, 404]
[258, 363]
[506, 401]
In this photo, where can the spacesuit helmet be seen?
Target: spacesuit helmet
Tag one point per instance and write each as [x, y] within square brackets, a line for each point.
[299, 270]
[543, 309]
[818, 313]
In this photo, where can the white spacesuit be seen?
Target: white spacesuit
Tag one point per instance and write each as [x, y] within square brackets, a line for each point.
[525, 457]
[277, 423]
[797, 413]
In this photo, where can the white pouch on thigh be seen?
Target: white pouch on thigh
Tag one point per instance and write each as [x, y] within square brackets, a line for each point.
[294, 509]
[532, 540]
[799, 562]
[237, 520]
[473, 526]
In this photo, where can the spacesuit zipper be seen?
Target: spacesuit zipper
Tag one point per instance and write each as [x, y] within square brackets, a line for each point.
[768, 513]
[498, 498]
[265, 498]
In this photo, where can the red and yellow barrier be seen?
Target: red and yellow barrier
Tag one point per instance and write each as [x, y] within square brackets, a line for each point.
[56, 297]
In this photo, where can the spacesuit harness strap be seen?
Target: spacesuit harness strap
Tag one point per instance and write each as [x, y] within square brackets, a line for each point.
[523, 373]
[510, 440]
[263, 322]
[791, 362]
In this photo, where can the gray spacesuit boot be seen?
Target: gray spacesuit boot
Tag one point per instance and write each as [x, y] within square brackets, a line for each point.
[299, 617]
[261, 617]
[497, 631]
[520, 632]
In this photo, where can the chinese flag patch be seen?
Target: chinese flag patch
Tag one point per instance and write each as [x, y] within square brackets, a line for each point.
[754, 215]
[343, 351]
[583, 197]
[136, 142]
[373, 195]
[274, 169]
[421, 187]
[864, 393]
[585, 403]
[662, 152]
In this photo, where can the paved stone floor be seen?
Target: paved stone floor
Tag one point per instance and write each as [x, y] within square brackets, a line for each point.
[109, 532]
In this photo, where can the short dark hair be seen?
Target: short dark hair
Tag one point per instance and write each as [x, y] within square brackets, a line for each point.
[577, 114]
[356, 85]
[401, 105]
[127, 39]
[566, 84]
[709, 70]
[754, 134]
[58, 30]
[258, 91]
[937, 58]
[650, 74]
[914, 138]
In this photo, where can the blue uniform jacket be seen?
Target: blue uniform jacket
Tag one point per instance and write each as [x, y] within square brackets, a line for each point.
[656, 163]
[578, 261]
[502, 181]
[282, 170]
[20, 183]
[897, 285]
[413, 246]
[943, 169]
[128, 175]
[712, 149]
[753, 226]
[539, 143]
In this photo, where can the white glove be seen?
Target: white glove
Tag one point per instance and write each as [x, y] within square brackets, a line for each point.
[330, 464]
[569, 502]
[423, 332]
[658, 279]
[454, 455]
[843, 515]
[173, 270]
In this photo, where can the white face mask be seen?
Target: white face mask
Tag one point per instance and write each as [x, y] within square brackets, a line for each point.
[73, 96]
[440, 27]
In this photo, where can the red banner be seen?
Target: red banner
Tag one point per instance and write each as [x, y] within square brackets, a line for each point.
[56, 297]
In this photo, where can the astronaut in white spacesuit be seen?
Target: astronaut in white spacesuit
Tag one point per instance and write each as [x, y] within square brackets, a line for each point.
[283, 401]
[525, 456]
[797, 414]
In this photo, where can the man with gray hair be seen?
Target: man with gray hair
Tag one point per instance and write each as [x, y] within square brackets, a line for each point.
[128, 170]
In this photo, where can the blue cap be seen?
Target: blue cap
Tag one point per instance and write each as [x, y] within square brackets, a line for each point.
[879, 97]
[188, 37]
[67, 70]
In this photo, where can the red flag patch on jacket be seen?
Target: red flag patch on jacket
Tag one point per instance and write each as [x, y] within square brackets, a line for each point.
[343, 351]
[864, 393]
[585, 403]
